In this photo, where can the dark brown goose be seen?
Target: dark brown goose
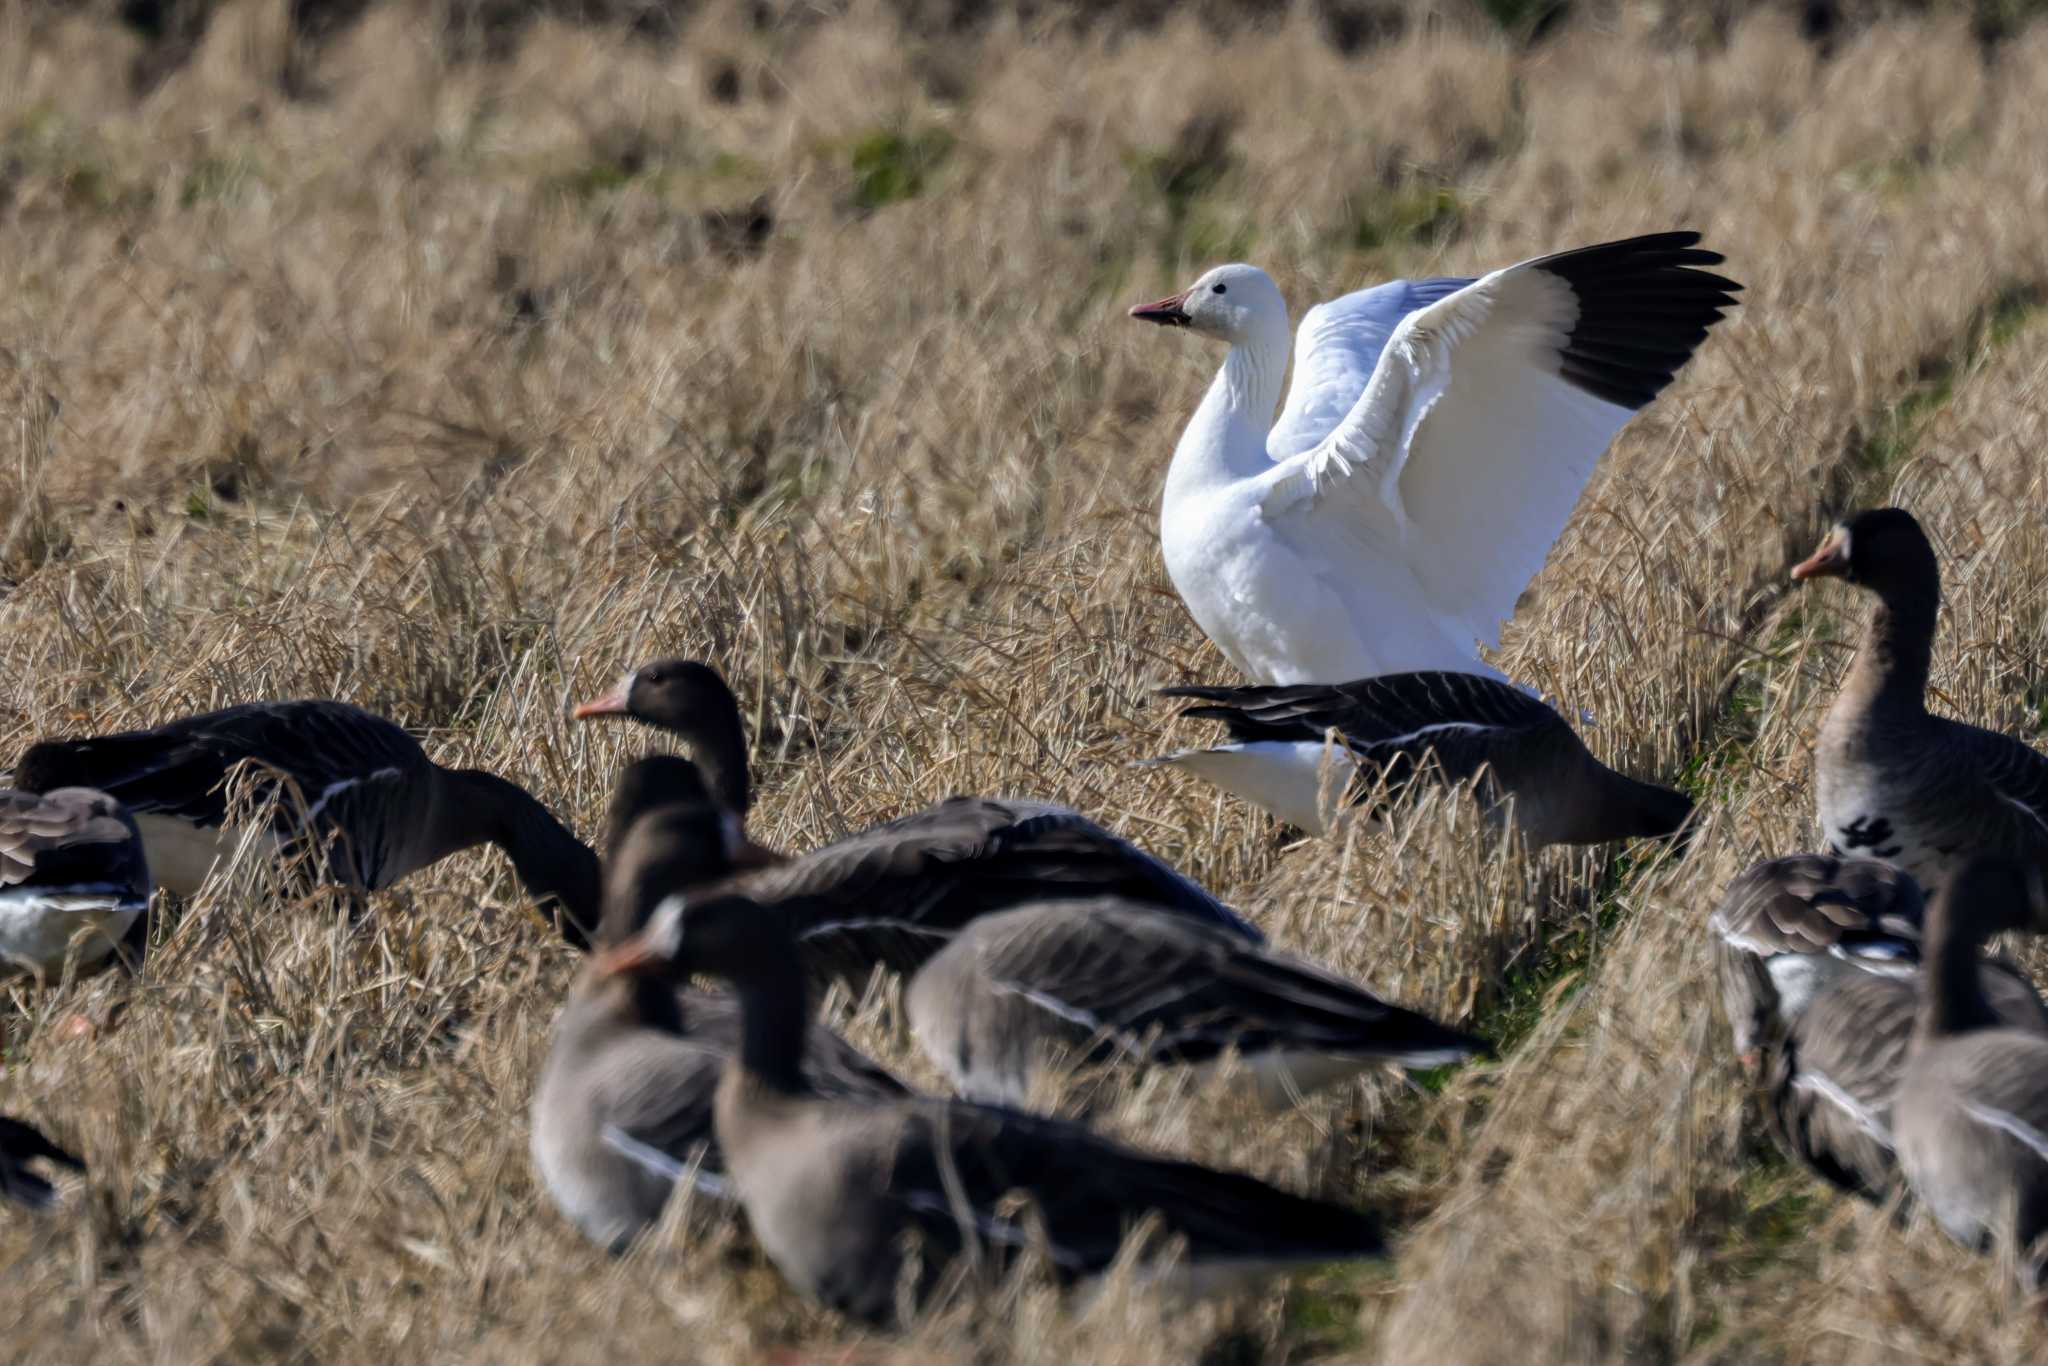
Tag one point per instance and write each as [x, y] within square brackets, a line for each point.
[623, 1111]
[1891, 780]
[20, 1145]
[1819, 964]
[1971, 1111]
[832, 1187]
[364, 789]
[73, 878]
[1019, 991]
[1525, 757]
[894, 894]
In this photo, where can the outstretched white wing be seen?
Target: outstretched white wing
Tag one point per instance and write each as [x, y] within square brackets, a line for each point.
[1487, 412]
[1335, 350]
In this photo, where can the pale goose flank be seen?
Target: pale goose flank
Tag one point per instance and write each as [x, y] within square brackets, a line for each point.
[21, 1145]
[1819, 965]
[623, 1111]
[73, 878]
[1021, 991]
[1891, 780]
[365, 792]
[832, 1188]
[894, 894]
[1523, 757]
[1971, 1111]
[1435, 438]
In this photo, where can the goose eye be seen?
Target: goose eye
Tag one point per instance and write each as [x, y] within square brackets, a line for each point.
[1221, 290]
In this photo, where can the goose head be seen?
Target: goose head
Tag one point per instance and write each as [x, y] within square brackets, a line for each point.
[681, 695]
[1880, 549]
[1235, 304]
[717, 935]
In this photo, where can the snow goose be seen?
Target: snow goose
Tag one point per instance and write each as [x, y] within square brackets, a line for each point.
[831, 1187]
[1891, 780]
[73, 878]
[1434, 441]
[622, 1112]
[1525, 758]
[1018, 991]
[20, 1145]
[1819, 965]
[364, 788]
[1970, 1115]
[893, 894]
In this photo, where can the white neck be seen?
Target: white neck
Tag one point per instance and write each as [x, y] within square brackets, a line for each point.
[1225, 441]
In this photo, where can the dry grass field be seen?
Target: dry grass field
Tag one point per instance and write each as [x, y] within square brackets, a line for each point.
[451, 377]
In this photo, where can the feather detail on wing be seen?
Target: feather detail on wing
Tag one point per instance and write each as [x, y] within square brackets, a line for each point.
[1489, 409]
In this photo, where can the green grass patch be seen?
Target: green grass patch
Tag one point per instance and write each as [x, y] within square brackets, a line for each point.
[214, 180]
[892, 165]
[1405, 213]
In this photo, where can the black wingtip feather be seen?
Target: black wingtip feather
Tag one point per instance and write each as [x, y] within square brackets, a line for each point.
[1644, 308]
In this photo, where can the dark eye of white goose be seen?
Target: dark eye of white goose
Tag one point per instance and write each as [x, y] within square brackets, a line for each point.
[1221, 290]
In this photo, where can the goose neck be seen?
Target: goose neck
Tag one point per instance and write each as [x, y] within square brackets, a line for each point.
[1952, 999]
[774, 1021]
[1225, 441]
[553, 865]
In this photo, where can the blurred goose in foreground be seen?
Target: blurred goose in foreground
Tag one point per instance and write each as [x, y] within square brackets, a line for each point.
[895, 893]
[1019, 991]
[832, 1187]
[1790, 927]
[1435, 439]
[20, 1145]
[1890, 779]
[1971, 1111]
[1820, 971]
[364, 789]
[1525, 757]
[623, 1109]
[73, 878]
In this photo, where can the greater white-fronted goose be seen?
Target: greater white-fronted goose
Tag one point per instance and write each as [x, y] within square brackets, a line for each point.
[832, 1187]
[1082, 981]
[1890, 779]
[73, 878]
[365, 790]
[1819, 965]
[1970, 1115]
[20, 1145]
[1525, 757]
[623, 1109]
[894, 894]
[1789, 927]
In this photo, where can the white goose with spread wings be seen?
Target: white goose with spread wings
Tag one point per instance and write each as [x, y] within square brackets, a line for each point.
[1434, 441]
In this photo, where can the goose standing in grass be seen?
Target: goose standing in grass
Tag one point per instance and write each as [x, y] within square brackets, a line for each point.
[364, 789]
[1526, 758]
[1435, 439]
[1820, 969]
[623, 1110]
[1018, 991]
[894, 894]
[832, 1187]
[1890, 779]
[73, 878]
[20, 1145]
[1971, 1110]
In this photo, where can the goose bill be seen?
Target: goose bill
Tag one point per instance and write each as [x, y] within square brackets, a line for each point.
[1169, 312]
[1830, 561]
[614, 703]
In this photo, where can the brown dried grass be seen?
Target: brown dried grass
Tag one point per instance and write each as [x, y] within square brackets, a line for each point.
[439, 392]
